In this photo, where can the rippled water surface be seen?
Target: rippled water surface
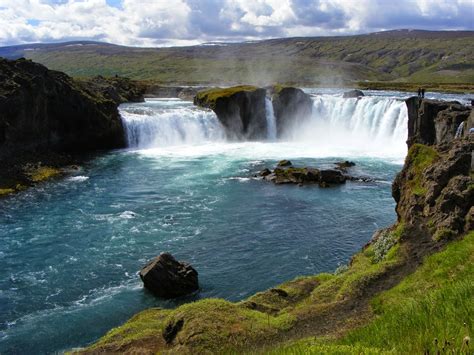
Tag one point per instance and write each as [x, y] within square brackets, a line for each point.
[70, 249]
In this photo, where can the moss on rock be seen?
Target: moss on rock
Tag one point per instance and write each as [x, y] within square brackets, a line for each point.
[208, 98]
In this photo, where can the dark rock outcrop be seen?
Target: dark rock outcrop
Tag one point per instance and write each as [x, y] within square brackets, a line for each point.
[291, 107]
[166, 277]
[288, 174]
[45, 110]
[433, 121]
[240, 109]
[435, 188]
[344, 165]
[284, 162]
[352, 94]
[117, 89]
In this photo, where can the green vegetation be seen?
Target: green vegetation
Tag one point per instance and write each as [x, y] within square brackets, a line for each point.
[7, 191]
[141, 326]
[386, 240]
[397, 58]
[418, 159]
[209, 97]
[436, 302]
[430, 311]
[42, 173]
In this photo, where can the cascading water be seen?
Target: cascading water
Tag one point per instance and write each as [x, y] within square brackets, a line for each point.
[160, 123]
[271, 122]
[369, 124]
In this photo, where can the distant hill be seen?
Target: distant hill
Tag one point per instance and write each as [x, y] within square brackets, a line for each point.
[401, 55]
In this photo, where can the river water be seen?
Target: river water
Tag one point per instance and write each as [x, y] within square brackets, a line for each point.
[71, 249]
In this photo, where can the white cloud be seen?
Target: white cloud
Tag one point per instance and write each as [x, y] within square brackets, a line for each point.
[165, 22]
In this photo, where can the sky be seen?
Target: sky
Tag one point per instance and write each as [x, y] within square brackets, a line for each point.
[189, 22]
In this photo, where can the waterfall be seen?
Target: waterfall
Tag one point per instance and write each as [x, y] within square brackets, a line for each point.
[271, 122]
[370, 124]
[160, 123]
[367, 126]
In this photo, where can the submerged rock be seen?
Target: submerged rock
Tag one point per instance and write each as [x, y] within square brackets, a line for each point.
[343, 165]
[284, 162]
[166, 277]
[352, 94]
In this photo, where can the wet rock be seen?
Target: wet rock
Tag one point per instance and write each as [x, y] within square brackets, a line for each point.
[352, 94]
[291, 107]
[303, 176]
[240, 109]
[284, 163]
[166, 277]
[343, 165]
[265, 172]
[331, 176]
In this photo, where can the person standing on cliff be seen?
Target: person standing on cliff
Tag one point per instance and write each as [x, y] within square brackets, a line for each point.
[422, 93]
[419, 92]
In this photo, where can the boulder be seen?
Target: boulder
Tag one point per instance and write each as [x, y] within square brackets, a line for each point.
[352, 94]
[344, 165]
[284, 162]
[291, 107]
[331, 176]
[240, 109]
[168, 278]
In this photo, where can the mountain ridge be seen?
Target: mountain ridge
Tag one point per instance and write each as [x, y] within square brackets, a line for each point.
[404, 56]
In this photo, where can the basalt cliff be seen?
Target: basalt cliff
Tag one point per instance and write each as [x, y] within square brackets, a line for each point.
[409, 290]
[46, 115]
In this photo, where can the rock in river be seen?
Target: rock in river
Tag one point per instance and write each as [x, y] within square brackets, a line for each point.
[166, 277]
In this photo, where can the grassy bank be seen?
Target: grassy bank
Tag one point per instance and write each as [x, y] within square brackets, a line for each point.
[430, 311]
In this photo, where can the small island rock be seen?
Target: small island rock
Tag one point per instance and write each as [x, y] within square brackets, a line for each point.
[168, 278]
[352, 94]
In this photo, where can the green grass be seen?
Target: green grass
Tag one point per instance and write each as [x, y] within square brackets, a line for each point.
[209, 97]
[436, 302]
[418, 159]
[430, 309]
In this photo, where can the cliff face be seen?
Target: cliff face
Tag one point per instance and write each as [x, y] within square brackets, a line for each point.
[433, 121]
[43, 110]
[434, 190]
[291, 106]
[240, 109]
